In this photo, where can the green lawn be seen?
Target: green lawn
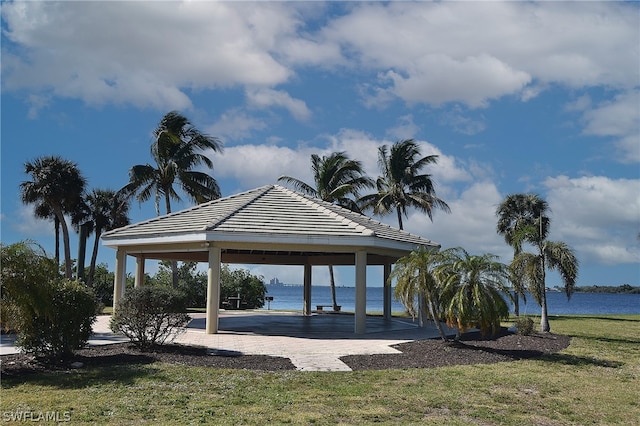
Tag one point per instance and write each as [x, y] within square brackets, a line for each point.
[596, 381]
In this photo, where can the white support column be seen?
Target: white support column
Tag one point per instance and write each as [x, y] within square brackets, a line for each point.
[361, 292]
[213, 290]
[306, 309]
[119, 276]
[139, 279]
[386, 288]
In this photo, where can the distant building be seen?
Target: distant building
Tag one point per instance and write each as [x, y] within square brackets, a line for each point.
[275, 281]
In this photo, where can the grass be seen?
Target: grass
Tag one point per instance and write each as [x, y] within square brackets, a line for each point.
[596, 381]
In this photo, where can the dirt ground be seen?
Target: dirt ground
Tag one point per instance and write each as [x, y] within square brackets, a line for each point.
[471, 349]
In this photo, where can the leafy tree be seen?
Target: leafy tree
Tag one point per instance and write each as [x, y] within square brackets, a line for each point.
[473, 287]
[191, 283]
[240, 282]
[178, 148]
[401, 185]
[531, 268]
[338, 180]
[516, 214]
[57, 184]
[417, 287]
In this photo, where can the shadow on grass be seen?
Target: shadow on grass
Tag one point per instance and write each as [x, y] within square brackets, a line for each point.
[523, 354]
[595, 317]
[580, 361]
[118, 374]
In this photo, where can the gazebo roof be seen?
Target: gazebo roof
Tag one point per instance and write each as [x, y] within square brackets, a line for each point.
[269, 224]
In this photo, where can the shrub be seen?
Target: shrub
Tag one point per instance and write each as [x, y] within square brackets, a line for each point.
[66, 328]
[524, 326]
[150, 315]
[50, 315]
[249, 287]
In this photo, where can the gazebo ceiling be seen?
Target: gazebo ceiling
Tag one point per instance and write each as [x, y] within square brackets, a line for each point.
[267, 225]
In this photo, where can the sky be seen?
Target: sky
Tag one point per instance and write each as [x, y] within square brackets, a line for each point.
[513, 97]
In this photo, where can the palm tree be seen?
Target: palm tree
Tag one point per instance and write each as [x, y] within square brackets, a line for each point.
[401, 186]
[43, 211]
[178, 148]
[473, 288]
[417, 287]
[107, 210]
[516, 214]
[337, 180]
[58, 184]
[530, 268]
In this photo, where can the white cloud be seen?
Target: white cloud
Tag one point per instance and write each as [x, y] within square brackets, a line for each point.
[265, 98]
[26, 222]
[142, 53]
[618, 118]
[471, 223]
[259, 164]
[598, 216]
[236, 124]
[474, 52]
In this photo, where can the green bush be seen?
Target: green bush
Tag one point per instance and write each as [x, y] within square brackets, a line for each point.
[68, 327]
[250, 288]
[150, 315]
[524, 326]
[50, 315]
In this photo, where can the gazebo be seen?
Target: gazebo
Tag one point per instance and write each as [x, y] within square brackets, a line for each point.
[267, 225]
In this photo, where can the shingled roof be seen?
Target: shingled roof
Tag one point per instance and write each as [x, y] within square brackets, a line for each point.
[269, 218]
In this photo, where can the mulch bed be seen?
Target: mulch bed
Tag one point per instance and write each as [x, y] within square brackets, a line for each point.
[471, 349]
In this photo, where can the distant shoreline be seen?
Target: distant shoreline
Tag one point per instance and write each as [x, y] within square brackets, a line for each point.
[621, 289]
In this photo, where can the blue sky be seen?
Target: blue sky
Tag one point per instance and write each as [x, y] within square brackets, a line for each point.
[512, 96]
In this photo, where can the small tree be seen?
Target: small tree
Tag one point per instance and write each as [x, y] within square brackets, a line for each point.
[250, 288]
[150, 315]
[416, 282]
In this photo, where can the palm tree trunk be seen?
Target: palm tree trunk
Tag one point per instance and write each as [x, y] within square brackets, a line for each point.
[174, 263]
[399, 217]
[437, 321]
[516, 304]
[544, 317]
[332, 283]
[67, 249]
[57, 225]
[94, 257]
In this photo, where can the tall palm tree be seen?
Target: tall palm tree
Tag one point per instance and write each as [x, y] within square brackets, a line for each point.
[58, 184]
[178, 147]
[529, 268]
[473, 289]
[106, 210]
[43, 211]
[516, 214]
[401, 185]
[338, 180]
[416, 282]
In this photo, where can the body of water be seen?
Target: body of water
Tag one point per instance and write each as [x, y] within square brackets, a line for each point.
[291, 298]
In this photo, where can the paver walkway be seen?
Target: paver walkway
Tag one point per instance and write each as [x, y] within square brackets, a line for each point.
[311, 343]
